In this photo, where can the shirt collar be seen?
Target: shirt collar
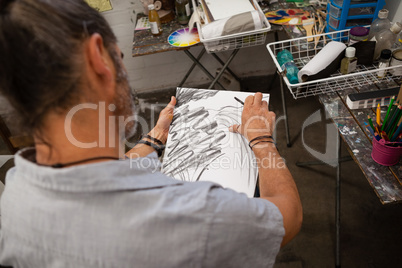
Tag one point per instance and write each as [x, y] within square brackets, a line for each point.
[128, 174]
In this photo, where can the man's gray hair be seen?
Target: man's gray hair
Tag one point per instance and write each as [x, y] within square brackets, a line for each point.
[41, 44]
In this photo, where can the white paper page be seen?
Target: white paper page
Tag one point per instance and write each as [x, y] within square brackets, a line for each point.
[226, 8]
[200, 146]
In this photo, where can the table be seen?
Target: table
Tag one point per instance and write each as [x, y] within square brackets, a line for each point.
[146, 44]
[386, 181]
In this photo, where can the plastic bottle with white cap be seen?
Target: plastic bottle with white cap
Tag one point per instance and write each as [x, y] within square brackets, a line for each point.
[349, 62]
[386, 38]
[381, 23]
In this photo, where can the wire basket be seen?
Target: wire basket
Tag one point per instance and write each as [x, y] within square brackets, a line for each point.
[303, 51]
[240, 40]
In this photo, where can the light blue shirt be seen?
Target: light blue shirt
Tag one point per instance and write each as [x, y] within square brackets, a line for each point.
[127, 214]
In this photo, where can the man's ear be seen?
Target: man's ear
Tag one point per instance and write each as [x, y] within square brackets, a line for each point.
[98, 58]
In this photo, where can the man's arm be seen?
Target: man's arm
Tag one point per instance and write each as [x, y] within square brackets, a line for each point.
[275, 181]
[160, 132]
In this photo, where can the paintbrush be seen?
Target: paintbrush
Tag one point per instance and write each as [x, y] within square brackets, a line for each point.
[319, 28]
[308, 25]
[320, 31]
[315, 24]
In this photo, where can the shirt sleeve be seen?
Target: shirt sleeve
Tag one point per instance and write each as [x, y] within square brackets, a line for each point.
[243, 232]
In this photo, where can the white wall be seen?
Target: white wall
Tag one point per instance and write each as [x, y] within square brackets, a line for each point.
[166, 70]
[395, 10]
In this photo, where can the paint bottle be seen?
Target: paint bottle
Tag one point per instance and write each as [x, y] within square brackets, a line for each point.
[154, 21]
[285, 60]
[383, 63]
[183, 11]
[349, 62]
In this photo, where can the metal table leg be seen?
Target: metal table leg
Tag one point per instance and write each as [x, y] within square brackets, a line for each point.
[223, 68]
[285, 113]
[276, 73]
[337, 198]
[228, 69]
[203, 68]
[338, 208]
[192, 67]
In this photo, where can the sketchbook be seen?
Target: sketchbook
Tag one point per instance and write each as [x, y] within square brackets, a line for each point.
[200, 146]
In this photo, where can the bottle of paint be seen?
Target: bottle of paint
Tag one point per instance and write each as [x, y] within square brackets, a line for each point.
[154, 21]
[349, 62]
[285, 60]
[183, 11]
[383, 62]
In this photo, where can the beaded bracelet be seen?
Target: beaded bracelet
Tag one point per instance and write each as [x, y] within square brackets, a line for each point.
[158, 149]
[151, 138]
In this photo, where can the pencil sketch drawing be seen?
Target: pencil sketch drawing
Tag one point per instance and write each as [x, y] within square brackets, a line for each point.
[200, 146]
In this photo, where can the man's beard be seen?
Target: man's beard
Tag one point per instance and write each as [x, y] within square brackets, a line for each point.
[125, 108]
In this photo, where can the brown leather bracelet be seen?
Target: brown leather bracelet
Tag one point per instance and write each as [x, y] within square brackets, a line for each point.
[261, 142]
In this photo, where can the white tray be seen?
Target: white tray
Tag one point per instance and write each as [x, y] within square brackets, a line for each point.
[234, 41]
[304, 51]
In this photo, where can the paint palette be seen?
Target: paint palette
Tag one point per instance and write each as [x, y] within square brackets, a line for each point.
[287, 16]
[184, 38]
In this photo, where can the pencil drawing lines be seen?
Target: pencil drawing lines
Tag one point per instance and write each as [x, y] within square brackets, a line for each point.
[199, 137]
[184, 95]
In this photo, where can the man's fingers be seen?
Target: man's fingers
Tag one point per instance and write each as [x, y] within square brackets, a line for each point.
[172, 103]
[265, 105]
[249, 100]
[257, 98]
[235, 129]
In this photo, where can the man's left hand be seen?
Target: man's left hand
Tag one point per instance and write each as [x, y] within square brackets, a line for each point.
[161, 129]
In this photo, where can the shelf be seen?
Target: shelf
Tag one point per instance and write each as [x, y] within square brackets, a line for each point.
[344, 11]
[339, 3]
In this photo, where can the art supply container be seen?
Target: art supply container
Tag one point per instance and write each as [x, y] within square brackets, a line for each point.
[395, 61]
[357, 34]
[384, 154]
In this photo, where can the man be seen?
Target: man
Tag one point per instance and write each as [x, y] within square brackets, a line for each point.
[75, 201]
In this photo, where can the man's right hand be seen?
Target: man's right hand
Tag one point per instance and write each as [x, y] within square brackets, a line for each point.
[256, 119]
[275, 181]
